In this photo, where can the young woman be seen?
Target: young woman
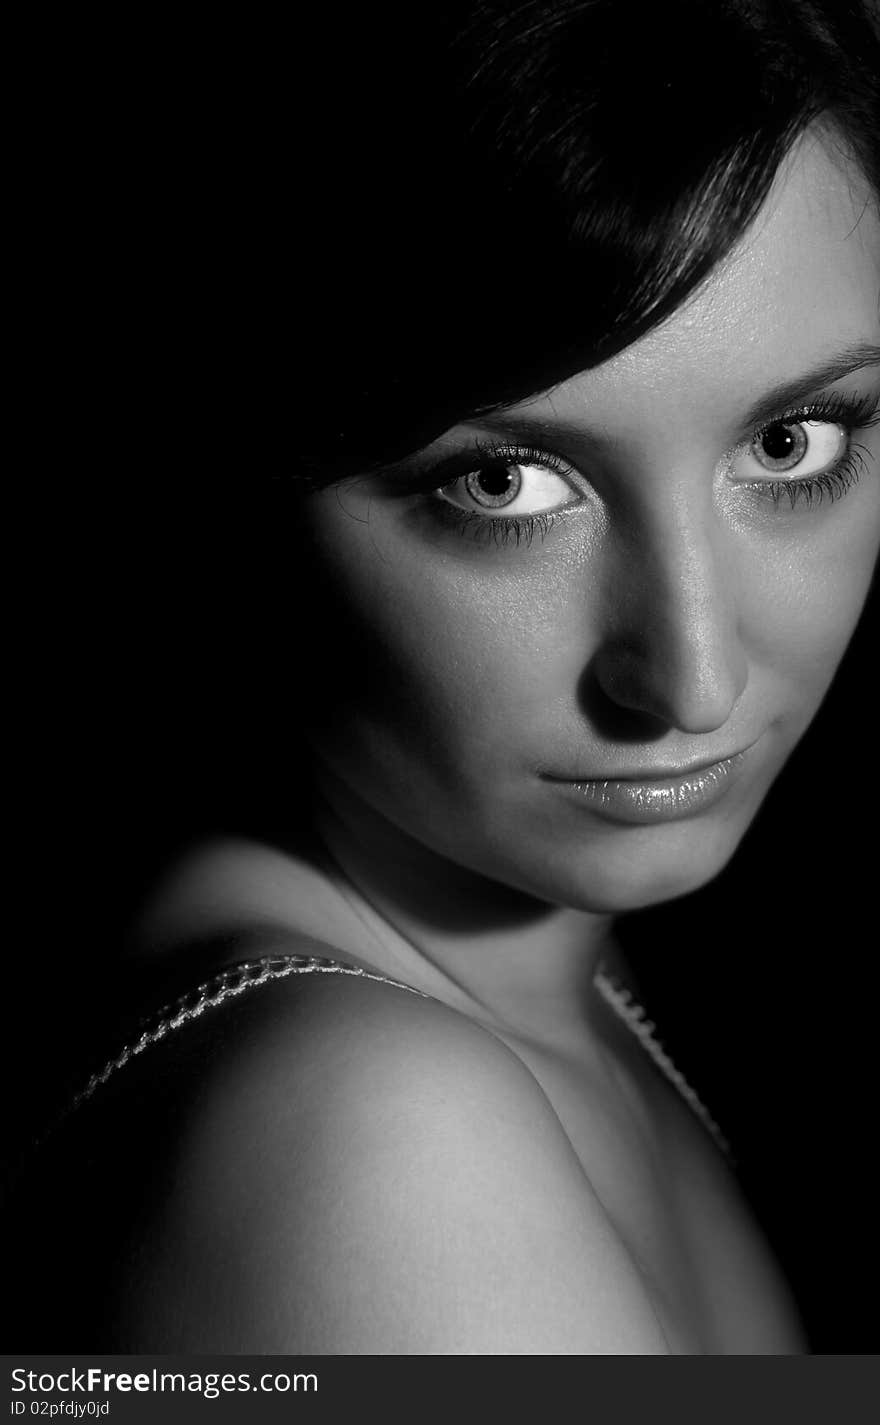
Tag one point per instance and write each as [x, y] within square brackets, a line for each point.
[584, 503]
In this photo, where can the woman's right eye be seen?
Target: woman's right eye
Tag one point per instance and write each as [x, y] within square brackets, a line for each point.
[510, 486]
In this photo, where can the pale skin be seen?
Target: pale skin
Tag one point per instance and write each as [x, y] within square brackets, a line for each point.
[499, 1169]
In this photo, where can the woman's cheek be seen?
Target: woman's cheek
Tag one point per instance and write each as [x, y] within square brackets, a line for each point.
[804, 600]
[450, 654]
[445, 665]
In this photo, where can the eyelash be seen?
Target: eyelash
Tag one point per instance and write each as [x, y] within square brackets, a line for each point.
[851, 412]
[503, 530]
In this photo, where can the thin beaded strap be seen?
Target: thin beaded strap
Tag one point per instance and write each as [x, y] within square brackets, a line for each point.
[627, 1008]
[248, 974]
[245, 975]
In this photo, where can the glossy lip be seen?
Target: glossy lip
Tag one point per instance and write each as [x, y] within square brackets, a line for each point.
[666, 796]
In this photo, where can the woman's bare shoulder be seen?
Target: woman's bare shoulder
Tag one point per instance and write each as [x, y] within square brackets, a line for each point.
[364, 1170]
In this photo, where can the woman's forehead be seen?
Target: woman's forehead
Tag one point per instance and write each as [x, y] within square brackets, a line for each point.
[802, 286]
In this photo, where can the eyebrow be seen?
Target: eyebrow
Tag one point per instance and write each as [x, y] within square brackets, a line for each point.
[797, 390]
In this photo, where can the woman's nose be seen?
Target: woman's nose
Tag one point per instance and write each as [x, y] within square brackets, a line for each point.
[671, 648]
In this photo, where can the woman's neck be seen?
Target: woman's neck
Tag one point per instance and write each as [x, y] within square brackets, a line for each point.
[516, 964]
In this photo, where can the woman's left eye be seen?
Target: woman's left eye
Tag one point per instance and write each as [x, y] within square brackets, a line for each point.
[791, 449]
[509, 485]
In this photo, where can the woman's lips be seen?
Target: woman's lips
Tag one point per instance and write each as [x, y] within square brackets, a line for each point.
[666, 796]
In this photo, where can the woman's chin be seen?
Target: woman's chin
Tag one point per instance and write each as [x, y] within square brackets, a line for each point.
[644, 868]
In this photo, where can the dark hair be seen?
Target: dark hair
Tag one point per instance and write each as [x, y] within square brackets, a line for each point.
[492, 195]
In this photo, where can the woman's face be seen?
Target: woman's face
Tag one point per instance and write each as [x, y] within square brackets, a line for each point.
[529, 667]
